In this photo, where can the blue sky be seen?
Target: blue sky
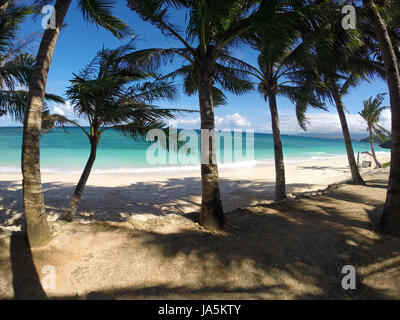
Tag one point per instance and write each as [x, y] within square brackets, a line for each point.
[79, 42]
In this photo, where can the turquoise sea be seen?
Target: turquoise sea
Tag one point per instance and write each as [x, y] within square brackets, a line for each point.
[68, 152]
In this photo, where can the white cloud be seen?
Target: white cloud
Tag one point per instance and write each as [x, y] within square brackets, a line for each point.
[329, 123]
[64, 109]
[231, 121]
[6, 121]
[386, 119]
[68, 106]
[68, 111]
[58, 110]
[323, 123]
[189, 123]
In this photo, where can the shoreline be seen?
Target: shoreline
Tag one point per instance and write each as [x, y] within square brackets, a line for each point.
[173, 169]
[142, 196]
[288, 250]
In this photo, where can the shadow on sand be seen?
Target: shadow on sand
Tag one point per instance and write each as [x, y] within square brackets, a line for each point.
[98, 203]
[294, 250]
[25, 280]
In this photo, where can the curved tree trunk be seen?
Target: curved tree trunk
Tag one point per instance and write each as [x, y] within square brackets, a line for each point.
[355, 173]
[390, 221]
[212, 214]
[76, 198]
[378, 164]
[280, 184]
[35, 216]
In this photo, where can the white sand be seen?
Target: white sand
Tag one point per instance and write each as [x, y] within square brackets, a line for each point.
[292, 250]
[124, 197]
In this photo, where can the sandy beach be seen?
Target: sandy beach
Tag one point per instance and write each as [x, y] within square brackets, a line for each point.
[141, 196]
[290, 250]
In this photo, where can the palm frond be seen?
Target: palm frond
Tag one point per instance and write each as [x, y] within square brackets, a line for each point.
[371, 114]
[99, 12]
[111, 93]
[52, 121]
[13, 103]
[147, 92]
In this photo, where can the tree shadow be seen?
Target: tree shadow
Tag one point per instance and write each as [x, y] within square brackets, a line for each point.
[119, 204]
[25, 280]
[300, 243]
[290, 250]
[266, 256]
[374, 183]
[11, 209]
[159, 292]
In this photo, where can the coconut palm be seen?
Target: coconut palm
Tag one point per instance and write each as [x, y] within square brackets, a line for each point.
[212, 28]
[112, 92]
[390, 221]
[279, 66]
[16, 63]
[371, 113]
[13, 104]
[390, 13]
[340, 60]
[338, 85]
[94, 11]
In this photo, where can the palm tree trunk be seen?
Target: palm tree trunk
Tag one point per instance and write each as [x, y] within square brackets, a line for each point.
[378, 164]
[390, 221]
[35, 216]
[211, 214]
[280, 184]
[76, 198]
[355, 173]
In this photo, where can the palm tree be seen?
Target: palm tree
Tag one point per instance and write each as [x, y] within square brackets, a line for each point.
[371, 114]
[212, 29]
[279, 66]
[94, 11]
[16, 64]
[390, 13]
[111, 93]
[340, 60]
[390, 221]
[13, 104]
[337, 89]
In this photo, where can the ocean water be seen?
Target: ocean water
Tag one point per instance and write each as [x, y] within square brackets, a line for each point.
[68, 152]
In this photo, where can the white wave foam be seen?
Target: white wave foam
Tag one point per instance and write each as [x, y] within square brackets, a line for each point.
[168, 169]
[10, 169]
[315, 152]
